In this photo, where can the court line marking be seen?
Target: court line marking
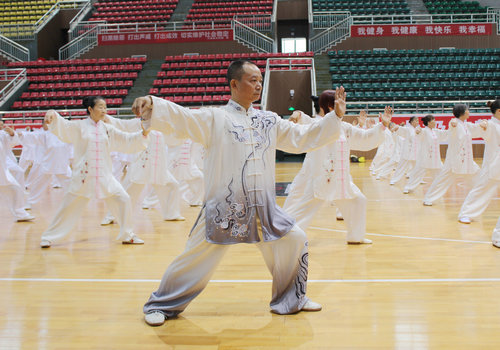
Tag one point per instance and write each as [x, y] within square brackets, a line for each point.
[407, 237]
[383, 280]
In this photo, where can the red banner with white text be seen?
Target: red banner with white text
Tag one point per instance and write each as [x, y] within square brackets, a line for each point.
[180, 36]
[421, 29]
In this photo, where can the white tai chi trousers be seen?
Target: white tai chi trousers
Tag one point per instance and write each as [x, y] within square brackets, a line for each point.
[305, 206]
[496, 232]
[442, 182]
[189, 273]
[42, 182]
[168, 196]
[416, 176]
[72, 207]
[14, 196]
[404, 166]
[479, 197]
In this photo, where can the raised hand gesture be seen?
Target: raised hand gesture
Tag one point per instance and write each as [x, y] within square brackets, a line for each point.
[49, 116]
[142, 107]
[362, 117]
[387, 116]
[340, 105]
[295, 117]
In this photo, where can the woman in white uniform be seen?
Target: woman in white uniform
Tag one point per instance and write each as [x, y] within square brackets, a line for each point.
[409, 150]
[11, 192]
[325, 175]
[429, 155]
[486, 186]
[92, 177]
[459, 160]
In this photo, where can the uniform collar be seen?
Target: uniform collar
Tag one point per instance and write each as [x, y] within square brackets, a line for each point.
[235, 106]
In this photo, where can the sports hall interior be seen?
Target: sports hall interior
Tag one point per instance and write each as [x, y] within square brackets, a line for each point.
[426, 282]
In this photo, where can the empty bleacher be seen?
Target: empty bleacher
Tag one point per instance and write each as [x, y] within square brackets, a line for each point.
[23, 12]
[454, 6]
[417, 75]
[222, 12]
[63, 84]
[134, 11]
[201, 79]
[363, 7]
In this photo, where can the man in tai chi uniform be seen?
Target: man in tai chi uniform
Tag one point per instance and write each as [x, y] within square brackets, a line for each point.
[240, 198]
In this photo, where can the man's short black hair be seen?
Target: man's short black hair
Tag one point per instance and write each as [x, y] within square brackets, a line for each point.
[235, 70]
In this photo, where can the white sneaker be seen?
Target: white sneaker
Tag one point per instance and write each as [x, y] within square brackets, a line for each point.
[311, 306]
[428, 204]
[27, 217]
[340, 218]
[108, 220]
[45, 243]
[363, 241]
[392, 183]
[133, 240]
[464, 220]
[179, 218]
[496, 243]
[406, 191]
[155, 318]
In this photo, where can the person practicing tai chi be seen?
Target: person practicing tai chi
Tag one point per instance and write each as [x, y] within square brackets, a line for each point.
[486, 187]
[409, 150]
[429, 154]
[11, 192]
[459, 161]
[93, 140]
[240, 198]
[150, 168]
[325, 175]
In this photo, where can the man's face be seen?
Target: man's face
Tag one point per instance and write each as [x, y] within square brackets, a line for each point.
[249, 88]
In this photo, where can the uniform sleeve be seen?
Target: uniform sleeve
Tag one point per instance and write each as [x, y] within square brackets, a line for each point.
[295, 138]
[66, 130]
[475, 130]
[14, 140]
[441, 134]
[365, 140]
[126, 142]
[128, 125]
[181, 122]
[403, 132]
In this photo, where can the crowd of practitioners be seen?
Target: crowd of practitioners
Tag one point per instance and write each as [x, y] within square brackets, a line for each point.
[166, 170]
[98, 157]
[412, 151]
[161, 155]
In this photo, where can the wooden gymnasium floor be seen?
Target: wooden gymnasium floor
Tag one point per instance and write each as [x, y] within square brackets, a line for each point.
[427, 282]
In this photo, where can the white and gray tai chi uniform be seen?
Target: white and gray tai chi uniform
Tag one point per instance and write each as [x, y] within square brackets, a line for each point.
[240, 199]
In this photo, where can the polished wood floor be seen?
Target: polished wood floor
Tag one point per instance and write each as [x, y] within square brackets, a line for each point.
[427, 282]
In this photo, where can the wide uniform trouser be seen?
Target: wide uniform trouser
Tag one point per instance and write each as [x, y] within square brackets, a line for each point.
[304, 206]
[72, 207]
[190, 272]
[479, 197]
